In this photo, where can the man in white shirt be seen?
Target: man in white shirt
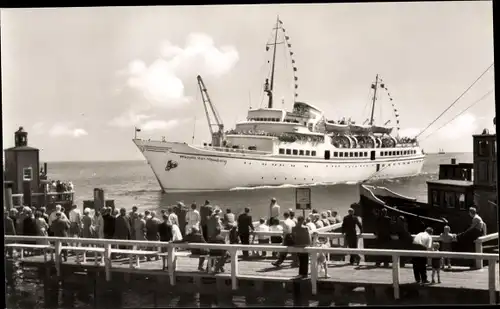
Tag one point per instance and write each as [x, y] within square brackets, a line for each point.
[75, 221]
[53, 216]
[422, 241]
[310, 225]
[193, 219]
[262, 239]
[275, 209]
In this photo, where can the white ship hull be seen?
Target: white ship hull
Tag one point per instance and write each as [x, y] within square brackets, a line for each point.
[180, 167]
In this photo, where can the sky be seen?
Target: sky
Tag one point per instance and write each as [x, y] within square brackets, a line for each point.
[80, 79]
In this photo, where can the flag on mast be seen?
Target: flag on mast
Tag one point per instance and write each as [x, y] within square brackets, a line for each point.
[137, 130]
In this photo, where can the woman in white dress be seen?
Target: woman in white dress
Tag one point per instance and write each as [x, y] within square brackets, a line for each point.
[193, 219]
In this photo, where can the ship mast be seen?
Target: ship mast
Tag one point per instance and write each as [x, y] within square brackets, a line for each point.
[374, 86]
[270, 92]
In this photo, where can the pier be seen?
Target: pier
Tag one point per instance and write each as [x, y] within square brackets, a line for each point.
[176, 271]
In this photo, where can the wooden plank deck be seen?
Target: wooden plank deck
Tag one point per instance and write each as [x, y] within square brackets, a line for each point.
[339, 272]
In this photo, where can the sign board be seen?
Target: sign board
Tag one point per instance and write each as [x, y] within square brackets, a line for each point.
[303, 198]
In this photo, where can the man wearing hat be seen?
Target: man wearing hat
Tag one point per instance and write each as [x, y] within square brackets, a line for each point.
[275, 209]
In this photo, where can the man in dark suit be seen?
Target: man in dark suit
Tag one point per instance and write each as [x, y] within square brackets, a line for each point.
[205, 212]
[245, 227]
[197, 238]
[349, 231]
[383, 234]
[302, 238]
[60, 227]
[222, 254]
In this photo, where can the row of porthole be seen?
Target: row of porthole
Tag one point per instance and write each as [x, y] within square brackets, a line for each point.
[349, 166]
[295, 178]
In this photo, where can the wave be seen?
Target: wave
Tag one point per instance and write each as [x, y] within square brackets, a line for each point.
[284, 186]
[134, 192]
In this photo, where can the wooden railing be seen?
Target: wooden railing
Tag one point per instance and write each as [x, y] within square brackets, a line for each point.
[479, 246]
[233, 249]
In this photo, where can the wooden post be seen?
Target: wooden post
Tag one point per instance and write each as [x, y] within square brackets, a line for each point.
[492, 281]
[234, 269]
[314, 272]
[58, 257]
[479, 249]
[395, 275]
[107, 261]
[170, 263]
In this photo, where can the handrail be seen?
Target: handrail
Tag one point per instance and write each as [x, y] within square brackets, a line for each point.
[233, 248]
[479, 246]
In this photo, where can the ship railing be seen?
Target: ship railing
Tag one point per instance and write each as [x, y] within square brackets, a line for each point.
[235, 150]
[479, 246]
[232, 249]
[49, 197]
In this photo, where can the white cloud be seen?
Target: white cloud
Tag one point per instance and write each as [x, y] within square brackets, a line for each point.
[66, 129]
[409, 132]
[128, 119]
[161, 82]
[153, 125]
[59, 129]
[464, 125]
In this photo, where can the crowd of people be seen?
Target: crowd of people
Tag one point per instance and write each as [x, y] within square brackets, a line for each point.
[204, 225]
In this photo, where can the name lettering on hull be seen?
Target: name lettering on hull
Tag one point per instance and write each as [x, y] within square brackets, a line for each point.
[170, 165]
[203, 159]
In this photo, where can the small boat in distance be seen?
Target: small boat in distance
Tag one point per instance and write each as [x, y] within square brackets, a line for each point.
[441, 151]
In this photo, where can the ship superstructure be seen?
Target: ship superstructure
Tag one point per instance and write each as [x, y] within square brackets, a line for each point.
[274, 146]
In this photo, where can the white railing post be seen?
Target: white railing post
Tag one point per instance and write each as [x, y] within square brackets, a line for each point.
[314, 272]
[107, 261]
[492, 281]
[479, 249]
[395, 275]
[171, 263]
[57, 257]
[234, 269]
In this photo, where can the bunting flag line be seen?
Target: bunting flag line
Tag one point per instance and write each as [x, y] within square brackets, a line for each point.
[394, 109]
[294, 68]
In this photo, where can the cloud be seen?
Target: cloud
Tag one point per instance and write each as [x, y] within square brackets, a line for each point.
[409, 132]
[153, 125]
[59, 130]
[161, 82]
[128, 119]
[464, 125]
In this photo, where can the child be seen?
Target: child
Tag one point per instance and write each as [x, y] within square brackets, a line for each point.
[321, 262]
[446, 239]
[436, 264]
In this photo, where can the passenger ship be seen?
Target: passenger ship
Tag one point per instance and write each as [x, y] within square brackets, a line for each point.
[276, 147]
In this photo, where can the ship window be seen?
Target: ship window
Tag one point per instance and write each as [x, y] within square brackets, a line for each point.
[313, 153]
[435, 198]
[390, 153]
[450, 199]
[365, 154]
[351, 154]
[335, 154]
[27, 174]
[282, 151]
[346, 154]
[301, 152]
[460, 200]
[397, 153]
[341, 154]
[295, 152]
[307, 152]
[288, 151]
[356, 154]
[483, 148]
[386, 153]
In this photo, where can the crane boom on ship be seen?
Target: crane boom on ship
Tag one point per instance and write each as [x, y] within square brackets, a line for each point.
[217, 137]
